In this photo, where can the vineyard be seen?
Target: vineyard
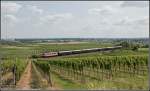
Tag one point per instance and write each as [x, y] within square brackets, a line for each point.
[118, 69]
[86, 69]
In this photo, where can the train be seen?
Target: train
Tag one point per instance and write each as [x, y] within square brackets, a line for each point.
[71, 52]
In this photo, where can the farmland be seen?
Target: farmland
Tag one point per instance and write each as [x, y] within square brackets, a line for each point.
[118, 69]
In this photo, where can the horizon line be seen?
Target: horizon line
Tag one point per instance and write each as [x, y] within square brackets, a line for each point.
[84, 38]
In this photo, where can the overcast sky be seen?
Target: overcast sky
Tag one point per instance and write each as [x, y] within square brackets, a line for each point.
[83, 19]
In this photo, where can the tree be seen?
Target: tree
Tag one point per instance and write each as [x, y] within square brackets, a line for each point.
[135, 48]
[145, 46]
[125, 44]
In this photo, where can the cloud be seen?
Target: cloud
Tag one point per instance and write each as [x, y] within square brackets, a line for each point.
[144, 21]
[128, 21]
[105, 10]
[35, 9]
[9, 20]
[103, 20]
[132, 27]
[10, 7]
[135, 4]
[124, 21]
[53, 18]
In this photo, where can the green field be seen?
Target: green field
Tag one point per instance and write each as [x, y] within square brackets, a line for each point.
[118, 69]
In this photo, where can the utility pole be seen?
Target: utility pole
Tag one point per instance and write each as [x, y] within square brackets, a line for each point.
[0, 29]
[0, 34]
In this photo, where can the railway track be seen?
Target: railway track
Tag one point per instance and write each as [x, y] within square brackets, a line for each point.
[73, 52]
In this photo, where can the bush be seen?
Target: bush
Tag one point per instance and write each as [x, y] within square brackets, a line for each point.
[145, 46]
[35, 56]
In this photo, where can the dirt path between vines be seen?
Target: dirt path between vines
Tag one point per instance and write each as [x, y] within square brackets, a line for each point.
[24, 82]
[43, 82]
[26, 79]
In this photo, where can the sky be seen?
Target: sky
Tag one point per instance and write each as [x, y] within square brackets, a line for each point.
[74, 19]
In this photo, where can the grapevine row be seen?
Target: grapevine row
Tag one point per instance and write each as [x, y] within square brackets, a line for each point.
[99, 68]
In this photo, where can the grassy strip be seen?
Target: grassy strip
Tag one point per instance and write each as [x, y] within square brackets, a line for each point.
[65, 83]
[119, 84]
[37, 81]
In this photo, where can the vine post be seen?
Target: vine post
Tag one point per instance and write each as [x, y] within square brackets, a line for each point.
[14, 74]
[50, 77]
